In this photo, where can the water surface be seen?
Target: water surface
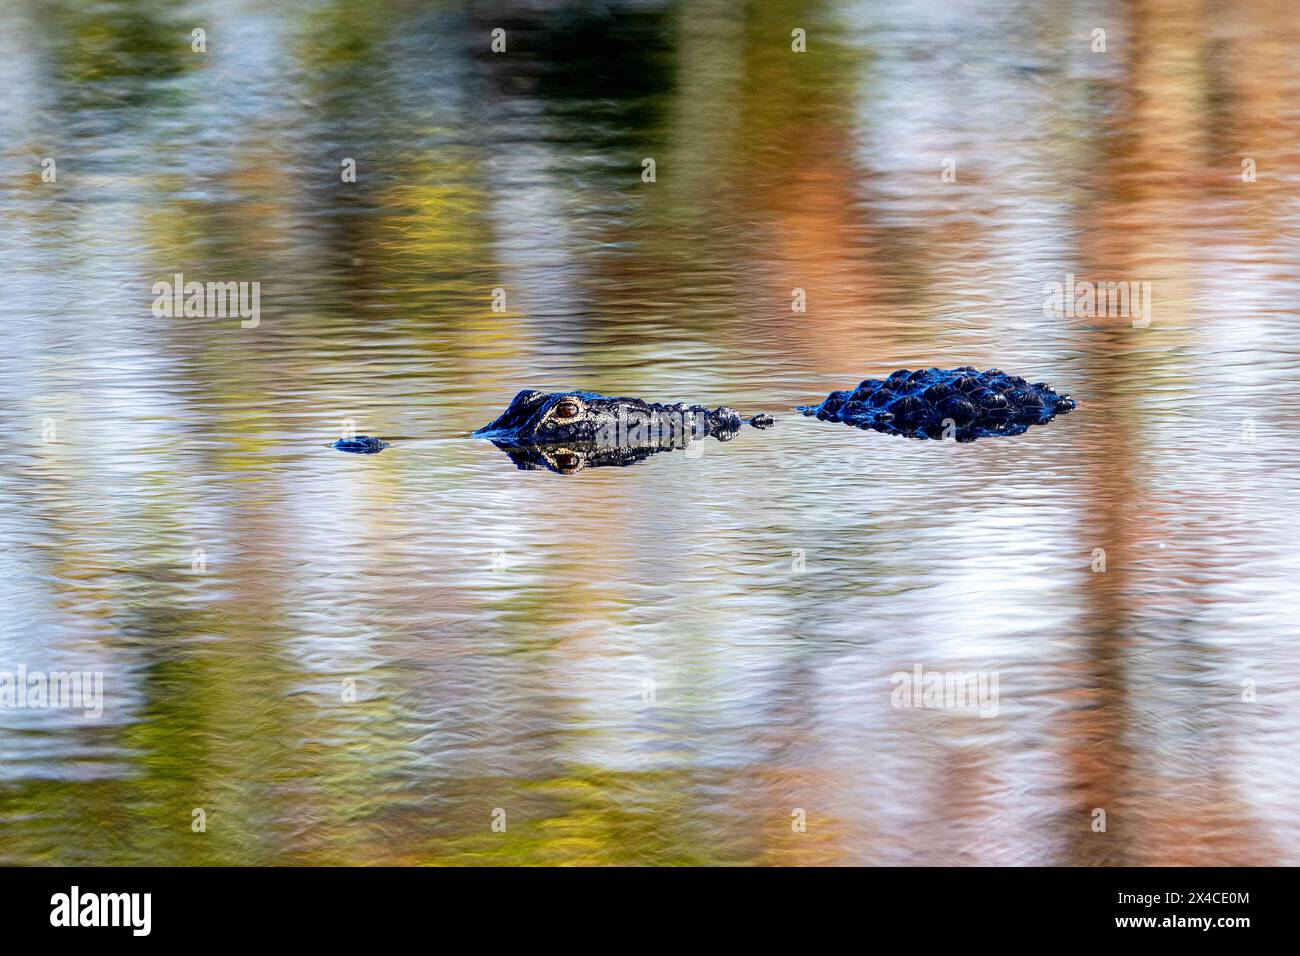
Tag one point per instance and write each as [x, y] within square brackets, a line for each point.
[362, 659]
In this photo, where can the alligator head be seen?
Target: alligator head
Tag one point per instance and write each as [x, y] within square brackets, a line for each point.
[568, 431]
[960, 403]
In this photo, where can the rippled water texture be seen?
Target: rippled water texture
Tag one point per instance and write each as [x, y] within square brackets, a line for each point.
[371, 658]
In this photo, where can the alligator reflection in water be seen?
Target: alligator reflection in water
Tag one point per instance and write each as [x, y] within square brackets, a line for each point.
[566, 432]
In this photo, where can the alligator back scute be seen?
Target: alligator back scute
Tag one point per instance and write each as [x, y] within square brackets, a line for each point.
[961, 403]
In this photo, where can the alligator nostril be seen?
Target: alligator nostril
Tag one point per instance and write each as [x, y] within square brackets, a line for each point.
[566, 410]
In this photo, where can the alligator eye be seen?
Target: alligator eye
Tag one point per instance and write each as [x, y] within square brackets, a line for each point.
[567, 462]
[566, 410]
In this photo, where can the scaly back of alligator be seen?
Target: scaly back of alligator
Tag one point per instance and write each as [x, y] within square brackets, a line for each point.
[960, 403]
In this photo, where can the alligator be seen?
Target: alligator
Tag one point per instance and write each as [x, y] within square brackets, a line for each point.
[569, 431]
[360, 445]
[960, 403]
[566, 432]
